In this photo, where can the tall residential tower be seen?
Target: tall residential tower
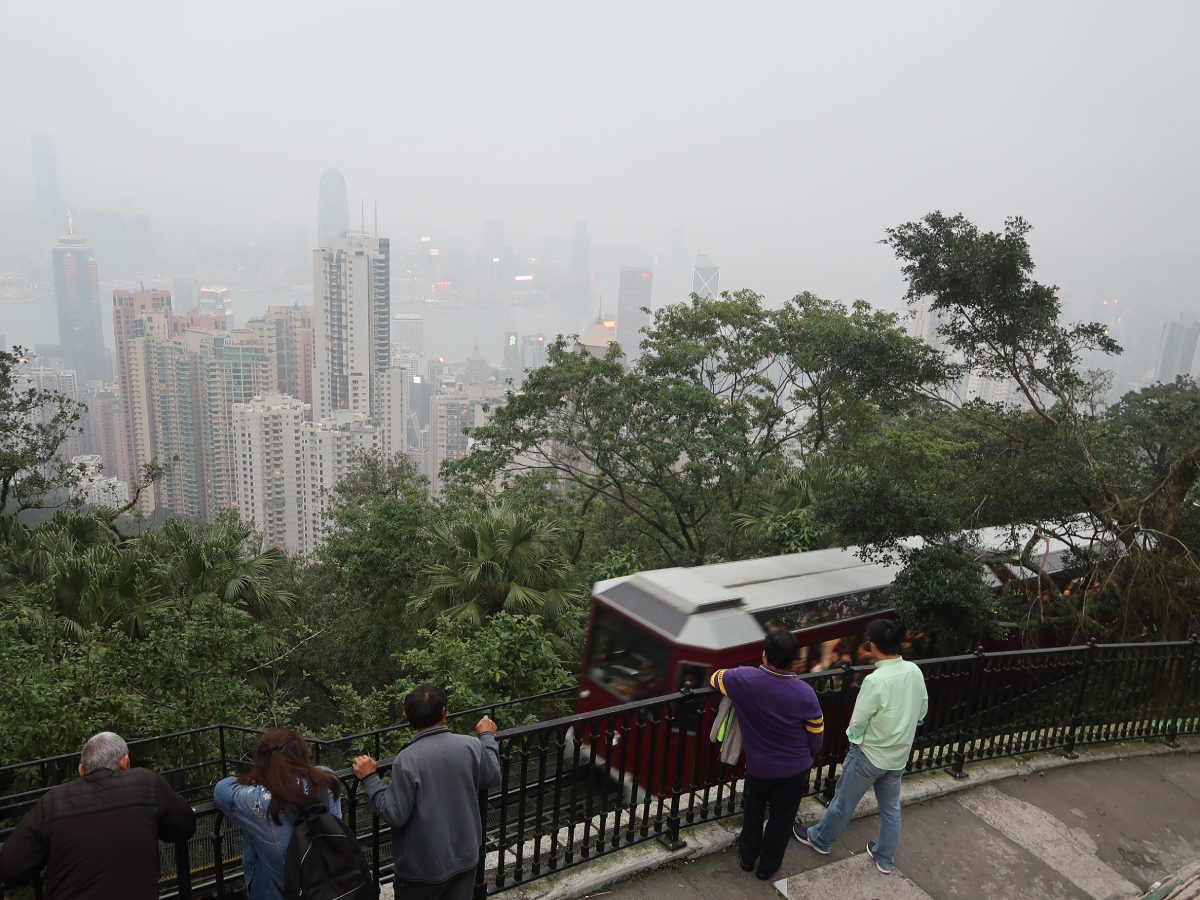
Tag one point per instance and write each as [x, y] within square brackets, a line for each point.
[351, 325]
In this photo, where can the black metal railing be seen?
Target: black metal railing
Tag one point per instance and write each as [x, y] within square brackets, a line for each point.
[193, 760]
[579, 787]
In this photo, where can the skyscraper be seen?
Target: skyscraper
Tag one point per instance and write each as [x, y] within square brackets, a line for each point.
[333, 208]
[179, 378]
[328, 451]
[103, 430]
[287, 466]
[138, 317]
[55, 379]
[633, 296]
[706, 276]
[1177, 348]
[77, 300]
[926, 324]
[232, 367]
[185, 291]
[351, 278]
[47, 191]
[512, 356]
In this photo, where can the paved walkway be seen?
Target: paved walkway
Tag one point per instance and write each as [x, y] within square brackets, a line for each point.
[1098, 830]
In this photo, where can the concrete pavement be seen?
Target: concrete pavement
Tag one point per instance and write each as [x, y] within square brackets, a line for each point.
[1107, 829]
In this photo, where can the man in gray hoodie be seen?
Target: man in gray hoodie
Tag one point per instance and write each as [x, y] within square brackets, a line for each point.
[432, 802]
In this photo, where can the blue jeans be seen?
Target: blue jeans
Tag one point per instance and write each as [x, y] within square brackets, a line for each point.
[857, 775]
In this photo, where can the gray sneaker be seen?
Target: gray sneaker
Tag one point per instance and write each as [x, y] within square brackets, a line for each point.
[878, 864]
[801, 834]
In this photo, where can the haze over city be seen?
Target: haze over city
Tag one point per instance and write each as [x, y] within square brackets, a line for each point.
[780, 139]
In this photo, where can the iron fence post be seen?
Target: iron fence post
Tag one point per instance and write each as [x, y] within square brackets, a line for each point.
[826, 795]
[224, 757]
[183, 870]
[480, 892]
[682, 715]
[1181, 702]
[1077, 708]
[974, 699]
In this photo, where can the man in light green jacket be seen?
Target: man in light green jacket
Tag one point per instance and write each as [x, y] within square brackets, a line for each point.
[892, 701]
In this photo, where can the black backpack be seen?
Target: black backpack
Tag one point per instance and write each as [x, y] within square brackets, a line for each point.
[324, 861]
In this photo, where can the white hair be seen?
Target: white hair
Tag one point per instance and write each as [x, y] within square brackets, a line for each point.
[102, 751]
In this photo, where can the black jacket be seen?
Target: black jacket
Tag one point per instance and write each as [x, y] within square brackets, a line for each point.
[98, 836]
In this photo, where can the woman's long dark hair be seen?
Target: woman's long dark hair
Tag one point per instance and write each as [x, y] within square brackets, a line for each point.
[282, 766]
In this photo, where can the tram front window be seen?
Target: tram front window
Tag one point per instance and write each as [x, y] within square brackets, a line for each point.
[629, 663]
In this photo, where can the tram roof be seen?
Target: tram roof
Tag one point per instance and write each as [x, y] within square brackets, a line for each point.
[719, 606]
[724, 605]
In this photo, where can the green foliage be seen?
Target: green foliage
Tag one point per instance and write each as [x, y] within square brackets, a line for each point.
[726, 394]
[1133, 471]
[144, 635]
[506, 657]
[1162, 421]
[497, 560]
[209, 663]
[941, 592]
[782, 522]
[1001, 321]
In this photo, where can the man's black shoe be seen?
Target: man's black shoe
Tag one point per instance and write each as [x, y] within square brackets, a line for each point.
[746, 867]
[763, 876]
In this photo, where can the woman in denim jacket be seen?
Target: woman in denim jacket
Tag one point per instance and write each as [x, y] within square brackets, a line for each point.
[264, 802]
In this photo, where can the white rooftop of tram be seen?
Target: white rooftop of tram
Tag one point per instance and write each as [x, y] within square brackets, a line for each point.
[718, 606]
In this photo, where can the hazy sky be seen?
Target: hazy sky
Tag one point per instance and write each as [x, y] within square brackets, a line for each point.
[782, 137]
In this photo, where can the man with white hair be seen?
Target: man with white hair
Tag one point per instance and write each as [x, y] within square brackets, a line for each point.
[98, 837]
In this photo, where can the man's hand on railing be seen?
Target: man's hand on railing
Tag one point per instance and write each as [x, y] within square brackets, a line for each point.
[485, 726]
[364, 766]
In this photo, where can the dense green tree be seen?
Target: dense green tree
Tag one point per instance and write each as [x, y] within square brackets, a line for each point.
[725, 393]
[208, 662]
[1055, 457]
[783, 521]
[1162, 421]
[354, 595]
[218, 560]
[942, 592]
[497, 560]
[504, 658]
[379, 530]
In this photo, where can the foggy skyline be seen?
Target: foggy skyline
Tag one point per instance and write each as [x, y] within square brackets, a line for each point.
[782, 139]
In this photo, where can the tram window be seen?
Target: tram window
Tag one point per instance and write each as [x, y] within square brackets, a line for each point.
[811, 613]
[626, 661]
